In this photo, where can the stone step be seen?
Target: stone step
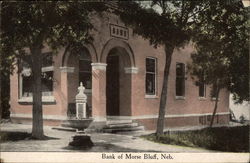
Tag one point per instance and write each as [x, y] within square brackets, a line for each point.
[64, 129]
[65, 124]
[120, 121]
[123, 129]
[119, 125]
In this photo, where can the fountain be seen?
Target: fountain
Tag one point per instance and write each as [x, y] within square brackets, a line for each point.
[81, 139]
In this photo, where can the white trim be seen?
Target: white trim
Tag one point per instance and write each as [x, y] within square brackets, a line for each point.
[131, 70]
[67, 69]
[96, 119]
[177, 115]
[44, 99]
[20, 88]
[151, 96]
[180, 97]
[202, 98]
[46, 117]
[99, 66]
[48, 68]
[214, 99]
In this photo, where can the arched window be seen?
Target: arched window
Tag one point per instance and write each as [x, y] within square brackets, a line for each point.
[85, 75]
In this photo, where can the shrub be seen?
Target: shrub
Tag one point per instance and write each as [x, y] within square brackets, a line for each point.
[230, 139]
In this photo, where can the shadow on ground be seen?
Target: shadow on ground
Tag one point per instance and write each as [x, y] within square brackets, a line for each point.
[6, 136]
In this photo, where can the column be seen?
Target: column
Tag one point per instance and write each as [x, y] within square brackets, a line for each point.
[99, 91]
[64, 87]
[133, 72]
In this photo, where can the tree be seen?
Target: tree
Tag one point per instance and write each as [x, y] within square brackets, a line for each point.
[31, 25]
[221, 59]
[169, 27]
[239, 64]
[211, 68]
[6, 68]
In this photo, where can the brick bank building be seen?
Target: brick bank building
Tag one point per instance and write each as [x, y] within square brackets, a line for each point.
[123, 76]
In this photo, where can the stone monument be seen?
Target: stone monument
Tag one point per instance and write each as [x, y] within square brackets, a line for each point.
[81, 100]
[81, 122]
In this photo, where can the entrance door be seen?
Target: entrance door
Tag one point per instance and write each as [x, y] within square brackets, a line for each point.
[112, 85]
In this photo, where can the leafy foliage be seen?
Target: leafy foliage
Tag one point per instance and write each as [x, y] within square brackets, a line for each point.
[221, 38]
[170, 26]
[54, 23]
[28, 26]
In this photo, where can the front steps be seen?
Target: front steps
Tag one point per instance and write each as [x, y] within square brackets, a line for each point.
[122, 126]
[65, 126]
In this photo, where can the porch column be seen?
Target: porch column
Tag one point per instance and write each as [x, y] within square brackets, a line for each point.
[99, 91]
[135, 92]
[64, 87]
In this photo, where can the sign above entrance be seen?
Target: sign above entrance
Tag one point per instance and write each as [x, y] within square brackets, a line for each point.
[118, 31]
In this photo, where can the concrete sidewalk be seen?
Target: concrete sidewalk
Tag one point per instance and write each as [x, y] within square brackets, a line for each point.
[103, 142]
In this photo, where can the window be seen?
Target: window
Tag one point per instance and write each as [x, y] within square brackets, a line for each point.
[25, 79]
[180, 79]
[213, 91]
[85, 75]
[202, 87]
[150, 76]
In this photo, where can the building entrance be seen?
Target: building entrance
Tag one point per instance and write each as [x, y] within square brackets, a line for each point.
[113, 85]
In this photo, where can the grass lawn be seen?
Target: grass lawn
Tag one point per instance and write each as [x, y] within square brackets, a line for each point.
[228, 139]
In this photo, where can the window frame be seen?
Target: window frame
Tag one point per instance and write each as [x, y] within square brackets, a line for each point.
[213, 98]
[183, 76]
[29, 99]
[202, 83]
[153, 95]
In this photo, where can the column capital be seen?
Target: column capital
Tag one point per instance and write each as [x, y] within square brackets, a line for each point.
[131, 70]
[99, 66]
[67, 69]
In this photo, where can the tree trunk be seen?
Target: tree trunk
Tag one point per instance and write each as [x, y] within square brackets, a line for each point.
[1, 109]
[37, 113]
[161, 117]
[215, 106]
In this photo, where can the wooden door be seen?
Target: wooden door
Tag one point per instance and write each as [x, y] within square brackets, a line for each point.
[112, 85]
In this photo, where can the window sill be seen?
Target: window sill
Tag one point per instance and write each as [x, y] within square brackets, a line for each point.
[45, 99]
[202, 98]
[180, 97]
[151, 96]
[214, 99]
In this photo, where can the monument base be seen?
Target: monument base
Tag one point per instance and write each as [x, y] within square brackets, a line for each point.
[81, 140]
